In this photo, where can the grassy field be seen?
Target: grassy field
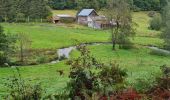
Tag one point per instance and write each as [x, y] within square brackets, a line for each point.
[47, 36]
[142, 21]
[138, 62]
[45, 74]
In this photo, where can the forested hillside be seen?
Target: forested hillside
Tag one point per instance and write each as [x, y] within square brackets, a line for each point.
[144, 5]
[19, 10]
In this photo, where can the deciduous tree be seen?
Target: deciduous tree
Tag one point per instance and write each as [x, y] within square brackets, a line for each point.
[119, 15]
[6, 46]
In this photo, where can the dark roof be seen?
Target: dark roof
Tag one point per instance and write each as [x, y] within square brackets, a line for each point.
[86, 12]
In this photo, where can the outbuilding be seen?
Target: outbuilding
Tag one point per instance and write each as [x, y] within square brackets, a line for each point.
[64, 18]
[82, 16]
[98, 22]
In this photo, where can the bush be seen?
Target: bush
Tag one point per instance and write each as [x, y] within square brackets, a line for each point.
[1, 19]
[84, 82]
[156, 23]
[136, 9]
[125, 44]
[42, 59]
[3, 59]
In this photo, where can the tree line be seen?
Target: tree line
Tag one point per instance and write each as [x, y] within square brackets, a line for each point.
[144, 5]
[23, 10]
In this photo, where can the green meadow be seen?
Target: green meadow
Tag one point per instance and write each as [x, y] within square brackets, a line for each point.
[138, 61]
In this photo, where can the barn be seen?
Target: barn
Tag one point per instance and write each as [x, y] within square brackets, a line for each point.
[64, 18]
[82, 17]
[98, 22]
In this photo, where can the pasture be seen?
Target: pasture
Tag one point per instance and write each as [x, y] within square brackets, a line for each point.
[138, 61]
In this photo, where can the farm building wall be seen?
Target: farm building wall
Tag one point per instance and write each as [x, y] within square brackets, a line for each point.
[82, 20]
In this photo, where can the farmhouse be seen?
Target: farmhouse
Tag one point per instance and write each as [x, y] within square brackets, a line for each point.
[98, 22]
[63, 19]
[82, 17]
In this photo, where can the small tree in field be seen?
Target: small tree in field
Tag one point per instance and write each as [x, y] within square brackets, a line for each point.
[6, 46]
[24, 44]
[119, 14]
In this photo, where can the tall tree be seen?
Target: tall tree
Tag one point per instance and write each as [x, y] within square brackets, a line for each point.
[119, 14]
[6, 46]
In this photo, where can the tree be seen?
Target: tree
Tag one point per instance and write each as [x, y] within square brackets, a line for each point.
[38, 9]
[24, 44]
[119, 14]
[166, 22]
[57, 4]
[147, 5]
[81, 4]
[6, 46]
[156, 23]
[12, 10]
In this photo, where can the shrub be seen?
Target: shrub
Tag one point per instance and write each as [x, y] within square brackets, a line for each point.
[3, 59]
[161, 91]
[156, 23]
[144, 84]
[1, 19]
[136, 9]
[7, 43]
[42, 59]
[84, 82]
[125, 44]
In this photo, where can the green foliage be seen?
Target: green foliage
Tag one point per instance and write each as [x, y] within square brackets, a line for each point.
[22, 10]
[144, 84]
[147, 5]
[85, 82]
[111, 78]
[6, 46]
[42, 59]
[62, 4]
[166, 21]
[156, 23]
[3, 59]
[19, 90]
[87, 4]
[136, 5]
[118, 12]
[24, 45]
